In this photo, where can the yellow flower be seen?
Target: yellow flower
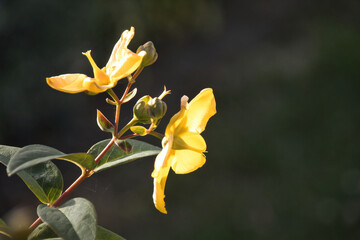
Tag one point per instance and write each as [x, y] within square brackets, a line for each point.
[122, 63]
[183, 146]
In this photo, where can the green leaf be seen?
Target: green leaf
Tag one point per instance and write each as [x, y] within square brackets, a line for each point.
[104, 123]
[43, 231]
[31, 155]
[4, 229]
[82, 160]
[115, 156]
[75, 220]
[104, 234]
[44, 180]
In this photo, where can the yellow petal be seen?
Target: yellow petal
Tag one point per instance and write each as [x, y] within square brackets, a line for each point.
[125, 66]
[90, 85]
[101, 77]
[158, 195]
[120, 47]
[160, 173]
[69, 83]
[200, 109]
[189, 140]
[186, 161]
[177, 119]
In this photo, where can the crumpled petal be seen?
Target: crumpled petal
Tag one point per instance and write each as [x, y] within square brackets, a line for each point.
[120, 47]
[127, 65]
[200, 109]
[91, 86]
[121, 64]
[69, 83]
[186, 161]
[122, 61]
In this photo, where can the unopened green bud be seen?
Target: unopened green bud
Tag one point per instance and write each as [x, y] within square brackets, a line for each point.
[149, 110]
[157, 108]
[141, 110]
[151, 54]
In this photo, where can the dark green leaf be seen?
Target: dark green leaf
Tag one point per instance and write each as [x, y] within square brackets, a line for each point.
[82, 160]
[116, 156]
[75, 220]
[43, 231]
[44, 180]
[31, 155]
[104, 234]
[4, 229]
[34, 154]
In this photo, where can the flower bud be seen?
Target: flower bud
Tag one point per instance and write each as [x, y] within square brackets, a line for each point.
[157, 108]
[151, 54]
[148, 110]
[141, 110]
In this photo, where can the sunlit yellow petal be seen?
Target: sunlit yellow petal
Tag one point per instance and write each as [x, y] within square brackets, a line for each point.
[189, 140]
[69, 83]
[120, 47]
[127, 65]
[158, 195]
[101, 77]
[177, 119]
[186, 161]
[160, 173]
[90, 85]
[200, 109]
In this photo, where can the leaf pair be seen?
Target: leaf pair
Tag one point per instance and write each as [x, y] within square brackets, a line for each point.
[32, 164]
[44, 180]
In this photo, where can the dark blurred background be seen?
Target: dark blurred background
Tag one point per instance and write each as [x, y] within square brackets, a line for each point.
[283, 150]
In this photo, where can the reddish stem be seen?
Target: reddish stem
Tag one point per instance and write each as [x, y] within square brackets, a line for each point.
[105, 150]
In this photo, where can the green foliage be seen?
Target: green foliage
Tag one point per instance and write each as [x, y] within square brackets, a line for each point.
[44, 180]
[115, 156]
[43, 231]
[76, 219]
[4, 229]
[104, 234]
[31, 155]
[82, 160]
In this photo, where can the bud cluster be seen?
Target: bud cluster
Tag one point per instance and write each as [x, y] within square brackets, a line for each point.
[149, 110]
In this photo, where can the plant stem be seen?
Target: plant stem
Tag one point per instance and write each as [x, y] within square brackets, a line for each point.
[127, 127]
[105, 150]
[156, 134]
